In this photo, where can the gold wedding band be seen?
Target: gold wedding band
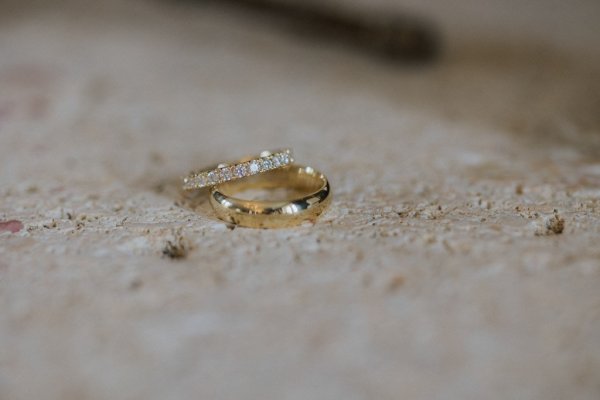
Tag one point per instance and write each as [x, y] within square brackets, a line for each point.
[311, 198]
[266, 161]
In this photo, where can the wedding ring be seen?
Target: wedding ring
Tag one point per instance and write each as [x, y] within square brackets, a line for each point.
[311, 197]
[221, 173]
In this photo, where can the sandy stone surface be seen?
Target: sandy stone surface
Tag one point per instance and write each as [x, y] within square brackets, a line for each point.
[460, 258]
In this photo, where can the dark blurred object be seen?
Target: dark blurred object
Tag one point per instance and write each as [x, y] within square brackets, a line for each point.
[394, 37]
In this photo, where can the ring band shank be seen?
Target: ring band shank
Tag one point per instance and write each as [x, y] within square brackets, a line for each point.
[221, 173]
[313, 199]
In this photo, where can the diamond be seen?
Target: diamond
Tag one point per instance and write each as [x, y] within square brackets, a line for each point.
[285, 158]
[226, 173]
[201, 180]
[254, 167]
[240, 170]
[213, 177]
[276, 161]
[266, 164]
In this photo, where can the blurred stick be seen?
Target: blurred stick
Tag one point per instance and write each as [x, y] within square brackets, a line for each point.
[392, 36]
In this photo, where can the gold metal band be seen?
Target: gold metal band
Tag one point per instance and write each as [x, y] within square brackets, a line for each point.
[266, 161]
[311, 197]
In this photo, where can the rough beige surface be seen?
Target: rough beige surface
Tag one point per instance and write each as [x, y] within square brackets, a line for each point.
[440, 271]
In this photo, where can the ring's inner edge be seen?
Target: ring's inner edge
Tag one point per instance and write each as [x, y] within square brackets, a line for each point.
[302, 180]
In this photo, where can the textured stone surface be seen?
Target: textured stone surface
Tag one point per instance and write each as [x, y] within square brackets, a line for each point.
[460, 258]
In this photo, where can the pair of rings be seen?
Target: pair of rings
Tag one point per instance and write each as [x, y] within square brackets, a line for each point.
[308, 190]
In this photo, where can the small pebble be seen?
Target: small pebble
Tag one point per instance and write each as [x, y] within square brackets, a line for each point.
[519, 189]
[552, 225]
[395, 283]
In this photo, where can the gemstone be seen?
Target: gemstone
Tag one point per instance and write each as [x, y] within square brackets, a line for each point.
[240, 170]
[201, 180]
[285, 158]
[226, 174]
[266, 164]
[276, 161]
[212, 177]
[254, 167]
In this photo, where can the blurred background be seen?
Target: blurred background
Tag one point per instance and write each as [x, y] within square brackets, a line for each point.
[459, 258]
